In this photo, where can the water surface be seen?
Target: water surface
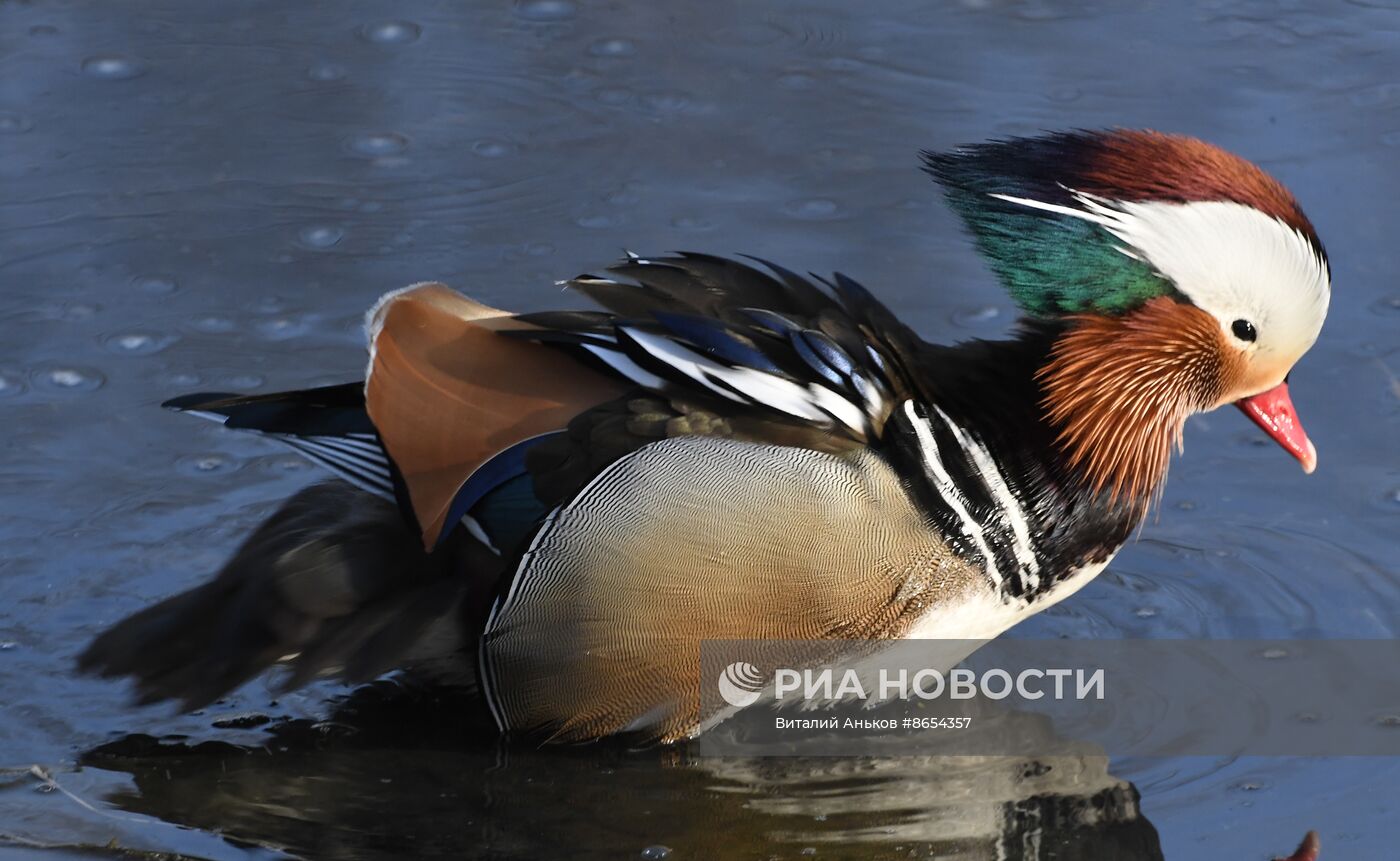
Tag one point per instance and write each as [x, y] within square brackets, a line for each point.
[209, 196]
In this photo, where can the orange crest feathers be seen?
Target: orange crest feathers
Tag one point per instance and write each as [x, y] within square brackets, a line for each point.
[1119, 390]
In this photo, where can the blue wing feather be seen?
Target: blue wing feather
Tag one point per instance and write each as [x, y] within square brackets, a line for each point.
[803, 348]
[714, 337]
[830, 353]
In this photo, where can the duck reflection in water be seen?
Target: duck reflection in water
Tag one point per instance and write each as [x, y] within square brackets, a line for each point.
[298, 787]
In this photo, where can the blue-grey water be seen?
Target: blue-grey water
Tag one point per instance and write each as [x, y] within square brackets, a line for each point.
[208, 196]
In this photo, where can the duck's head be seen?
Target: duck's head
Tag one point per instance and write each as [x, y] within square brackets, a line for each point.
[1187, 278]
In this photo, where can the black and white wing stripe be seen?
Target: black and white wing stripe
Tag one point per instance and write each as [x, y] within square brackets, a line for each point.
[358, 458]
[774, 343]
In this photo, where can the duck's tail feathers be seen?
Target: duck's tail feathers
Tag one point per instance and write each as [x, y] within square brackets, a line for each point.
[334, 584]
[327, 425]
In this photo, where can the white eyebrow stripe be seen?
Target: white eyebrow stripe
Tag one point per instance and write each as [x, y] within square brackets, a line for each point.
[1056, 208]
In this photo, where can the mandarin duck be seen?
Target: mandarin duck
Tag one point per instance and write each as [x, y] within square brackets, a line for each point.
[563, 505]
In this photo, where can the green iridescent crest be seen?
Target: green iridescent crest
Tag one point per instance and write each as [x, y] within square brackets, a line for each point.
[1050, 261]
[1055, 264]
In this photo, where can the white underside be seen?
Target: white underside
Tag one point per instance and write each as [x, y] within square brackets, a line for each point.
[985, 616]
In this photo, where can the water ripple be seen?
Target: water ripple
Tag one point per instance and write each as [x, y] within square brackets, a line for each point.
[70, 378]
[14, 124]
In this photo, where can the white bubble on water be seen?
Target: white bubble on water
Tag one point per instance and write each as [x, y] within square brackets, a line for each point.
[321, 235]
[392, 32]
[112, 67]
[545, 10]
[378, 143]
[613, 48]
[494, 148]
[71, 378]
[327, 72]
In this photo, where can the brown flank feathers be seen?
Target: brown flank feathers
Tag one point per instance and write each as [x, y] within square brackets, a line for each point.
[446, 393]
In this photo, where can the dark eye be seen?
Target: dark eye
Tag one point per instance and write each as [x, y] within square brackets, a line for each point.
[1244, 330]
